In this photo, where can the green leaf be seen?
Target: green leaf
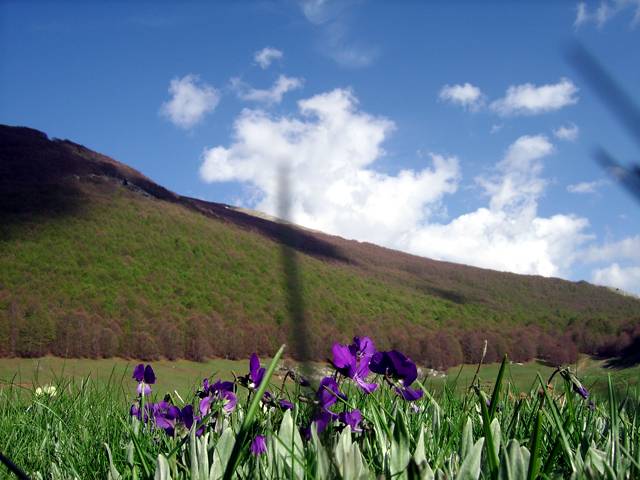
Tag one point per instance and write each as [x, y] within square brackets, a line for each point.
[162, 469]
[221, 454]
[471, 467]
[513, 465]
[323, 464]
[486, 426]
[419, 453]
[536, 448]
[467, 439]
[552, 413]
[495, 397]
[113, 471]
[289, 448]
[248, 419]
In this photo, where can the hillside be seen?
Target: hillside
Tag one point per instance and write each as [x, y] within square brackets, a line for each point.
[98, 260]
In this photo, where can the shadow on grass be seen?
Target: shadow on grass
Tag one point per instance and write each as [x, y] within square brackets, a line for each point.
[630, 357]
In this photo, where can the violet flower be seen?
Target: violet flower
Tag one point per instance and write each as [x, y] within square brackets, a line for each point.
[322, 418]
[328, 393]
[258, 445]
[145, 378]
[256, 373]
[270, 401]
[352, 418]
[219, 391]
[395, 365]
[581, 390]
[149, 411]
[166, 416]
[352, 361]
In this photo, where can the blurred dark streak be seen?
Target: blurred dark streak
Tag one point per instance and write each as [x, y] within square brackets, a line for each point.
[606, 88]
[628, 177]
[621, 104]
[292, 275]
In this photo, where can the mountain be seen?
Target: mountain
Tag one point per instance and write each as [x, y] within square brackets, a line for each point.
[98, 260]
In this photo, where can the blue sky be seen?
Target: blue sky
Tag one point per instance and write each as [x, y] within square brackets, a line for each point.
[453, 131]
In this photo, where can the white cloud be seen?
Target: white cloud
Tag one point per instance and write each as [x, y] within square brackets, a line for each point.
[466, 95]
[586, 187]
[624, 278]
[626, 249]
[605, 11]
[266, 56]
[495, 128]
[529, 99]
[331, 147]
[272, 95]
[190, 100]
[509, 235]
[567, 132]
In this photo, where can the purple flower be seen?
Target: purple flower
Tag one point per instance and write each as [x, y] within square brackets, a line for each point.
[145, 378]
[409, 394]
[256, 372]
[270, 401]
[322, 418]
[397, 366]
[394, 364]
[352, 361]
[352, 418]
[218, 391]
[149, 411]
[580, 390]
[328, 392]
[258, 445]
[166, 416]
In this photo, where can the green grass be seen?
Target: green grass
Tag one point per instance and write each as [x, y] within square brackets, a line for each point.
[180, 375]
[64, 436]
[183, 375]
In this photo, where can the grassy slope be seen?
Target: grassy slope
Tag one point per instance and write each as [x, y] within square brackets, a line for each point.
[147, 263]
[94, 268]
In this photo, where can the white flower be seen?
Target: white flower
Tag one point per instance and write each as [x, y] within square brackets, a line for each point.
[49, 390]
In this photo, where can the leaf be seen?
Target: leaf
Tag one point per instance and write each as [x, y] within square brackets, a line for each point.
[349, 460]
[536, 442]
[554, 416]
[221, 454]
[470, 468]
[496, 436]
[491, 450]
[467, 439]
[419, 453]
[399, 455]
[495, 397]
[248, 419]
[323, 464]
[513, 466]
[203, 456]
[113, 471]
[162, 469]
[290, 448]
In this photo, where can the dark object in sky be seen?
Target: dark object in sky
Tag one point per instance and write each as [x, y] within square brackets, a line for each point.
[622, 106]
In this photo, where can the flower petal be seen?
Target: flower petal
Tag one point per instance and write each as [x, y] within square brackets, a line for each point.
[149, 375]
[138, 372]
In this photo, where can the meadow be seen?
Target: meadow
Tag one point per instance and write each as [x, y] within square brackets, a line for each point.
[503, 420]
